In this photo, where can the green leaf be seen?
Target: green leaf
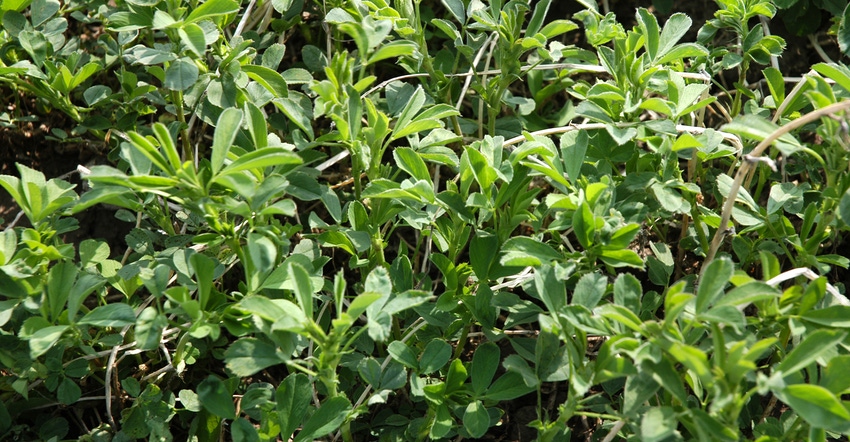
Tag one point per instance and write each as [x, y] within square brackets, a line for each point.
[557, 27]
[442, 422]
[61, 276]
[844, 208]
[835, 377]
[403, 354]
[299, 109]
[552, 291]
[326, 419]
[216, 399]
[818, 406]
[43, 340]
[270, 79]
[167, 145]
[694, 359]
[758, 128]
[259, 159]
[68, 392]
[456, 8]
[436, 354]
[410, 161]
[293, 401]
[509, 386]
[36, 45]
[776, 84]
[837, 316]
[476, 420]
[659, 424]
[573, 150]
[193, 37]
[584, 225]
[651, 32]
[844, 32]
[149, 327]
[712, 283]
[627, 291]
[110, 315]
[484, 173]
[589, 290]
[181, 75]
[809, 350]
[250, 355]
[394, 49]
[483, 249]
[524, 251]
[241, 430]
[370, 371]
[621, 315]
[226, 130]
[204, 270]
[212, 8]
[485, 361]
[638, 389]
[360, 303]
[303, 288]
[674, 29]
[414, 104]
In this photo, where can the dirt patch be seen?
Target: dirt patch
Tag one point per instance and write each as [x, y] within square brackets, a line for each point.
[28, 144]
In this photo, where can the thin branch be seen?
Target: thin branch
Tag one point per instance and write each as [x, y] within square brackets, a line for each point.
[245, 16]
[745, 167]
[540, 67]
[614, 431]
[471, 71]
[596, 126]
[808, 273]
[821, 53]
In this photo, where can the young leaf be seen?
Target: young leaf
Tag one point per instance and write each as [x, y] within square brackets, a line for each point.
[260, 159]
[303, 288]
[584, 225]
[410, 161]
[713, 282]
[270, 79]
[225, 132]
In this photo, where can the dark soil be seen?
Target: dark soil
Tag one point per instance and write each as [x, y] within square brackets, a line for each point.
[27, 144]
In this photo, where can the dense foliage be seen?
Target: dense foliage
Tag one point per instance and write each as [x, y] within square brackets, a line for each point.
[376, 220]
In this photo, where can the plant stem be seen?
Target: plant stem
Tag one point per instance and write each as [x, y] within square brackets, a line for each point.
[177, 98]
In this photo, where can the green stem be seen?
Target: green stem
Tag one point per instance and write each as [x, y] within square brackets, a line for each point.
[177, 98]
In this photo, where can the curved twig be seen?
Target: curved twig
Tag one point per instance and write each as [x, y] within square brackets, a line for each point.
[746, 165]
